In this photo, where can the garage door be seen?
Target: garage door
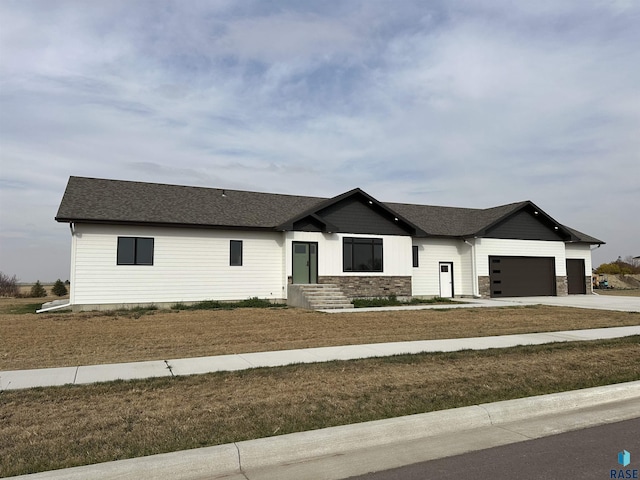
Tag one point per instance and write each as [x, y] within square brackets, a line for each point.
[522, 276]
[575, 277]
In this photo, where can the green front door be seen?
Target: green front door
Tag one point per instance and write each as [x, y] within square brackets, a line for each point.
[305, 262]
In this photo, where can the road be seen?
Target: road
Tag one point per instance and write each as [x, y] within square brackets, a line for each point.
[585, 454]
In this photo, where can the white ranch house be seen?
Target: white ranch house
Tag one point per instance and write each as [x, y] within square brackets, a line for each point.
[135, 243]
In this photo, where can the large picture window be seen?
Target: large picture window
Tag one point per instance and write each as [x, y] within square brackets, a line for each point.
[362, 254]
[135, 251]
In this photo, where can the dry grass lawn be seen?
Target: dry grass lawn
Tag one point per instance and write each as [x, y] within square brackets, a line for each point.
[619, 292]
[87, 338]
[46, 428]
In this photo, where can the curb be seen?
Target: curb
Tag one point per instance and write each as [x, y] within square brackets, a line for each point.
[235, 459]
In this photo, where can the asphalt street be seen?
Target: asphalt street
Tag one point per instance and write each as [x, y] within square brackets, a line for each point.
[585, 454]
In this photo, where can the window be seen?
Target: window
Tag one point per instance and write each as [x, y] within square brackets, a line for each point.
[415, 255]
[235, 253]
[362, 254]
[135, 251]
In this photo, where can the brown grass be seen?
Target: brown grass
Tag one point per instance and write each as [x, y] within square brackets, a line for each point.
[619, 292]
[57, 427]
[67, 339]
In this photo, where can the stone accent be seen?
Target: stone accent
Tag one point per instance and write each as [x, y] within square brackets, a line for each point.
[484, 287]
[370, 286]
[562, 288]
[589, 285]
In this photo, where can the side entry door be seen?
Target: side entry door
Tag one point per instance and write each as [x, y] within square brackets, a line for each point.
[446, 279]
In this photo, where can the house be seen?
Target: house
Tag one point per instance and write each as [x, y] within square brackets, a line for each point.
[136, 243]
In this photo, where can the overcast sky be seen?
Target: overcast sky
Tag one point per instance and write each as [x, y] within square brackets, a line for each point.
[460, 103]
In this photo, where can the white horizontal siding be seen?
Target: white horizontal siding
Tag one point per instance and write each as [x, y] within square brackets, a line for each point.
[188, 265]
[426, 277]
[396, 252]
[486, 247]
[580, 251]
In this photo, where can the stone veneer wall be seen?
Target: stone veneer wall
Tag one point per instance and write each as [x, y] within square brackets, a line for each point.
[366, 286]
[562, 288]
[484, 287]
[589, 285]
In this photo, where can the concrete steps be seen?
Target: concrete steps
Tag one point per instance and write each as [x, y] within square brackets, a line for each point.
[317, 296]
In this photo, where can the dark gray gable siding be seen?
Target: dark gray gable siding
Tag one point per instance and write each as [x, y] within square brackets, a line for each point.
[308, 224]
[523, 225]
[355, 215]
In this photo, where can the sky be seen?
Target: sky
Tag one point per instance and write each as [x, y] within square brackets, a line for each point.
[468, 103]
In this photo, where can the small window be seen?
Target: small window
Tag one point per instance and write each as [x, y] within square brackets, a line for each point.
[415, 255]
[362, 254]
[235, 255]
[135, 251]
[444, 268]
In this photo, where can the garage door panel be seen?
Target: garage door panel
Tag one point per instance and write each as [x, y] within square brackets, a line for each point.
[522, 276]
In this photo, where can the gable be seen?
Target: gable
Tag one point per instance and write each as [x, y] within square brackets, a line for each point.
[525, 225]
[356, 215]
[352, 212]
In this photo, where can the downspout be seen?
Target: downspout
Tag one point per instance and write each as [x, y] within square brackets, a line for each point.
[474, 277]
[55, 307]
[72, 273]
[66, 305]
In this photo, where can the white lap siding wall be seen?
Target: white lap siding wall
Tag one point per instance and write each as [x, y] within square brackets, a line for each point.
[188, 265]
[426, 277]
[580, 251]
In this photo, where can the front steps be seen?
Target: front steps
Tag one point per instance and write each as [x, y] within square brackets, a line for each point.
[317, 296]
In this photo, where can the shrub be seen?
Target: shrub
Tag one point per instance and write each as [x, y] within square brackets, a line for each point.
[392, 301]
[37, 290]
[59, 288]
[8, 286]
[619, 267]
[253, 302]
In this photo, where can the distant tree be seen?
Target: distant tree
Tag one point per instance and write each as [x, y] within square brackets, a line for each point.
[619, 267]
[37, 290]
[8, 286]
[59, 289]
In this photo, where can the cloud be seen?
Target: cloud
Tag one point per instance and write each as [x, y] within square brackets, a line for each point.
[460, 103]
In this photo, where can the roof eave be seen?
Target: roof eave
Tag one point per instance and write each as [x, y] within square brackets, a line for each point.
[162, 224]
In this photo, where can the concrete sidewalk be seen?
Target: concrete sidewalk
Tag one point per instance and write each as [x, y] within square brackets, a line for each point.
[17, 379]
[339, 452]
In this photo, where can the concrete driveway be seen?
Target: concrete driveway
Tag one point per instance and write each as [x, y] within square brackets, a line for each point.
[598, 302]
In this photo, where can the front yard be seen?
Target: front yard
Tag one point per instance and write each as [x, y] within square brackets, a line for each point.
[67, 339]
[56, 427]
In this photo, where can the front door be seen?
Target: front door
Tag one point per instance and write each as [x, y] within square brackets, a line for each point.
[305, 262]
[446, 279]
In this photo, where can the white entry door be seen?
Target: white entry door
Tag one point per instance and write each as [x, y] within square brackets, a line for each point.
[446, 279]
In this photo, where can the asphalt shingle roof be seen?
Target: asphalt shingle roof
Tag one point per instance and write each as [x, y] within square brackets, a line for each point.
[117, 201]
[100, 200]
